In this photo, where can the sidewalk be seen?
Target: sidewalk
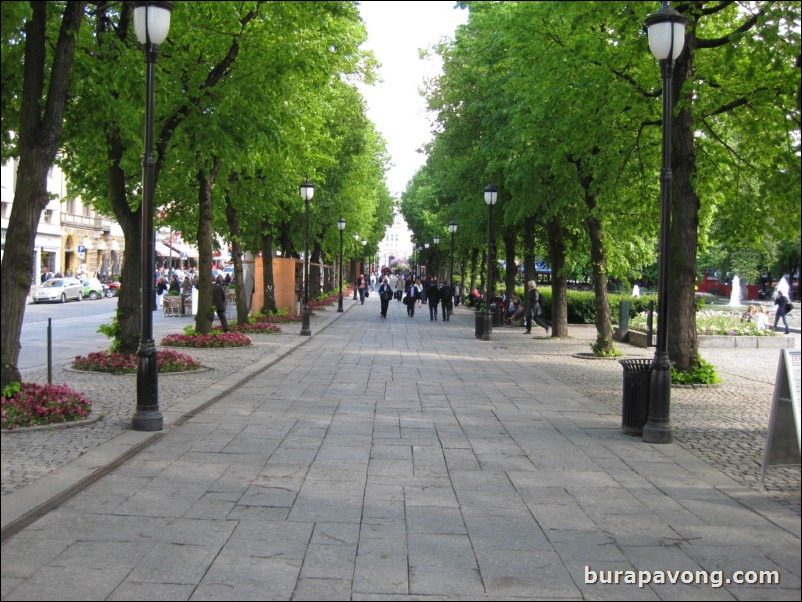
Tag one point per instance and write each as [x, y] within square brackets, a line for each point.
[401, 459]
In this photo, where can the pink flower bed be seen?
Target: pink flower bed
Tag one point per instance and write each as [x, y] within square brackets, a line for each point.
[122, 363]
[207, 341]
[35, 404]
[256, 327]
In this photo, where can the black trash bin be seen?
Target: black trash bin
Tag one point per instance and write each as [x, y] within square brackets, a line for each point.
[635, 409]
[495, 312]
[480, 324]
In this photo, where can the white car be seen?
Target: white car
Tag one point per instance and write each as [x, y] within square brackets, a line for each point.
[60, 290]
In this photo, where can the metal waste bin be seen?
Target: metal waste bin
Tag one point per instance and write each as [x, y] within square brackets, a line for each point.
[635, 409]
[495, 312]
[480, 324]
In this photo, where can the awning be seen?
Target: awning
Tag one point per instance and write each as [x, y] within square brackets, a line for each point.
[179, 248]
[163, 250]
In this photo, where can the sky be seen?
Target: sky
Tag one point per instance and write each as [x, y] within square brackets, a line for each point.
[396, 32]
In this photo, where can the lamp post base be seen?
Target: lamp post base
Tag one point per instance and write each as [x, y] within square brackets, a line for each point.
[658, 428]
[147, 421]
[305, 328]
[147, 416]
[340, 304]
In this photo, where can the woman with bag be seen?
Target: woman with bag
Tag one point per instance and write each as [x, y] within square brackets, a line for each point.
[782, 303]
[361, 285]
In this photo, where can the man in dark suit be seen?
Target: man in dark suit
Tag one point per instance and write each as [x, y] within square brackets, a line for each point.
[219, 303]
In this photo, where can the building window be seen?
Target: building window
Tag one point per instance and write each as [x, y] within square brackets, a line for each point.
[47, 216]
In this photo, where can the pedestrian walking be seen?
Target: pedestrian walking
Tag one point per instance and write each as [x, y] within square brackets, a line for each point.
[385, 294]
[361, 285]
[783, 307]
[433, 298]
[446, 300]
[412, 298]
[219, 303]
[536, 307]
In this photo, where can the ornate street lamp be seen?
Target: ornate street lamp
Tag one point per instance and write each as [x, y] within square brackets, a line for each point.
[356, 240]
[341, 227]
[428, 259]
[452, 227]
[151, 23]
[491, 196]
[364, 259]
[307, 192]
[666, 30]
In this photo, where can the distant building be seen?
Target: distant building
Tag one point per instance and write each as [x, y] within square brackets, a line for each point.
[71, 237]
[397, 242]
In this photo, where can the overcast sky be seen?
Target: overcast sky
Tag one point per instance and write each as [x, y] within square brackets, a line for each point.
[396, 32]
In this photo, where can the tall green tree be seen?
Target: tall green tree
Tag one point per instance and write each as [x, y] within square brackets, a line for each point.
[39, 42]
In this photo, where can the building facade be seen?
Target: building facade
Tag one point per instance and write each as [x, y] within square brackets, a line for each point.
[71, 237]
[397, 242]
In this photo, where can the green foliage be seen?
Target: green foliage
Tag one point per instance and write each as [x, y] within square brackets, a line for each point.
[601, 350]
[112, 331]
[703, 374]
[11, 389]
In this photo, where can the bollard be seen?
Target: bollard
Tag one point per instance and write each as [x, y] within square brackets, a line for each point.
[50, 351]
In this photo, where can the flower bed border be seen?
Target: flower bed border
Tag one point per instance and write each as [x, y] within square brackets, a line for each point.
[638, 339]
[94, 416]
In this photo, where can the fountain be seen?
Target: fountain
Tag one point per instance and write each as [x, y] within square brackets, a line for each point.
[735, 295]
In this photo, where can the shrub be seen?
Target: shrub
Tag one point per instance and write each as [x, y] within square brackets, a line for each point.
[30, 404]
[703, 374]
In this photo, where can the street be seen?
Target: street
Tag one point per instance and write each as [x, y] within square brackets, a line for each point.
[74, 332]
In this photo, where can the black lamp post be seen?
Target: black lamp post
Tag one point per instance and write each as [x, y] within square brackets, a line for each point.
[151, 23]
[356, 261]
[491, 196]
[666, 38]
[452, 227]
[307, 192]
[364, 259]
[436, 240]
[428, 258]
[341, 227]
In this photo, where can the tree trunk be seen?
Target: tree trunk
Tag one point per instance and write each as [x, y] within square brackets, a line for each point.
[269, 303]
[236, 255]
[530, 271]
[474, 259]
[40, 127]
[129, 301]
[598, 258]
[203, 324]
[509, 258]
[681, 338]
[559, 284]
[604, 327]
[315, 271]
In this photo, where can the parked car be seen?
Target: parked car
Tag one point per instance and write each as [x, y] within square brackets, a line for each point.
[94, 288]
[59, 289]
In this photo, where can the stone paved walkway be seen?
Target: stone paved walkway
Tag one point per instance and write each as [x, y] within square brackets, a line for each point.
[401, 459]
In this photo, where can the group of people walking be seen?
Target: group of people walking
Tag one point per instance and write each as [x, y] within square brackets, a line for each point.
[441, 298]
